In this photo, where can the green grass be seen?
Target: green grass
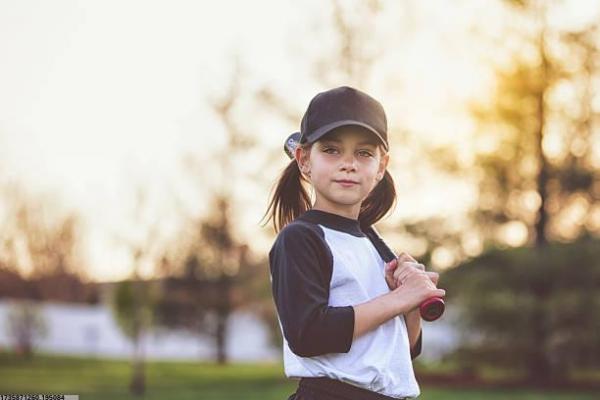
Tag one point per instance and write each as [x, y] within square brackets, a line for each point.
[95, 379]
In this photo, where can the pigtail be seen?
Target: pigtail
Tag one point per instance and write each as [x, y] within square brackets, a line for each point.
[379, 202]
[290, 198]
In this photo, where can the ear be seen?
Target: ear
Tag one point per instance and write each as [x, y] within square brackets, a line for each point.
[301, 157]
[383, 163]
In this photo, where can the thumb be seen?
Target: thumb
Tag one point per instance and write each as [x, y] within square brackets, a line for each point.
[389, 273]
[391, 266]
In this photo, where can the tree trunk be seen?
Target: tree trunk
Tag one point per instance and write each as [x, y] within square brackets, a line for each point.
[540, 369]
[137, 384]
[223, 311]
[539, 366]
[542, 178]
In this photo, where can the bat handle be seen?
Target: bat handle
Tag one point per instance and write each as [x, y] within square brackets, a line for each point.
[432, 308]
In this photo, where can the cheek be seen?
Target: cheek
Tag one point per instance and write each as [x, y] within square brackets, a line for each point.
[322, 165]
[371, 168]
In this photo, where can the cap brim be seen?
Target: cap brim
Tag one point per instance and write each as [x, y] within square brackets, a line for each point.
[322, 131]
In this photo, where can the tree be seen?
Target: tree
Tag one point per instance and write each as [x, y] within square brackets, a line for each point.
[498, 294]
[37, 239]
[133, 305]
[39, 261]
[199, 295]
[134, 301]
[207, 267]
[25, 322]
[534, 163]
[538, 183]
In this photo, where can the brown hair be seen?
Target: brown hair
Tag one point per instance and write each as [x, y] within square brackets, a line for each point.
[290, 199]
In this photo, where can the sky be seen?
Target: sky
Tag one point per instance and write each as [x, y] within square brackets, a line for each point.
[99, 99]
[100, 96]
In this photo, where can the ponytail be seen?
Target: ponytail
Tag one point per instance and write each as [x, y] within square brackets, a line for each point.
[290, 198]
[378, 203]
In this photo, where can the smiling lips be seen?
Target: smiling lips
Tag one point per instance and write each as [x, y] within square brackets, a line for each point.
[346, 182]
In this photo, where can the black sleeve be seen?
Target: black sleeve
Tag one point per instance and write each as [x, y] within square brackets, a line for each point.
[416, 350]
[301, 265]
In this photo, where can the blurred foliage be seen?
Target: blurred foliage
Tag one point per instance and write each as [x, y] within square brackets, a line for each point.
[37, 237]
[543, 96]
[208, 275]
[133, 305]
[534, 309]
[40, 249]
[534, 160]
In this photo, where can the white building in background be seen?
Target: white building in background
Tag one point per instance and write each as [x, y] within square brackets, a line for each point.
[90, 330]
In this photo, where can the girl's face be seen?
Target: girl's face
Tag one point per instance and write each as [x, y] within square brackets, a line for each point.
[343, 167]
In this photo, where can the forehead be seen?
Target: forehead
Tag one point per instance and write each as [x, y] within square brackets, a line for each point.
[351, 134]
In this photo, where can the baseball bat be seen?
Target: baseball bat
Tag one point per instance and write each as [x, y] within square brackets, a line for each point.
[432, 308]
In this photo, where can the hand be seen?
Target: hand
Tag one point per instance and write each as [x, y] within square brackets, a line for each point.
[395, 274]
[417, 287]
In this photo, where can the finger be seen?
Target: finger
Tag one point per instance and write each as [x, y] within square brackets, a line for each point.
[434, 276]
[404, 257]
[397, 277]
[402, 265]
[408, 257]
[416, 265]
[390, 268]
[397, 273]
[405, 269]
[391, 283]
[404, 274]
[389, 273]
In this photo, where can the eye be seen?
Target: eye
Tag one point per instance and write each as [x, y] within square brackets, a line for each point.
[365, 153]
[330, 150]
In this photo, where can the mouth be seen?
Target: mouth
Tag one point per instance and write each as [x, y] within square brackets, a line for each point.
[346, 182]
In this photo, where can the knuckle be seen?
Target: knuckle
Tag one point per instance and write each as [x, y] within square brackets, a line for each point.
[404, 257]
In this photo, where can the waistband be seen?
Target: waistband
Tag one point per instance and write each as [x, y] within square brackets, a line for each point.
[344, 390]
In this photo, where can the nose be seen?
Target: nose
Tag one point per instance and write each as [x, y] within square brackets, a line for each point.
[348, 162]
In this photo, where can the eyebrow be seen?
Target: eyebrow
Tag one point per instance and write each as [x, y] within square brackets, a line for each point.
[371, 142]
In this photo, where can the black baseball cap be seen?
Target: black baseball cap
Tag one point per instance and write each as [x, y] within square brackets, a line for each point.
[340, 107]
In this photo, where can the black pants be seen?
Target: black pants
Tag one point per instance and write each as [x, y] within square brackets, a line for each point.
[330, 389]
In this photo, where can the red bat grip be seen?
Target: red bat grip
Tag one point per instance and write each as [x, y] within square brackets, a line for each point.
[432, 308]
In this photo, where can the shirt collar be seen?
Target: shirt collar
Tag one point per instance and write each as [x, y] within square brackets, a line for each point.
[333, 221]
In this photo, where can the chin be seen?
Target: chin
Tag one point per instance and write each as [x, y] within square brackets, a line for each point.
[348, 201]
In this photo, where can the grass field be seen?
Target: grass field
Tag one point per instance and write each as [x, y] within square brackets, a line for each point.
[95, 379]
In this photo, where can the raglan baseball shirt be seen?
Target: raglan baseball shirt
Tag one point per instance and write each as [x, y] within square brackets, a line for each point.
[321, 265]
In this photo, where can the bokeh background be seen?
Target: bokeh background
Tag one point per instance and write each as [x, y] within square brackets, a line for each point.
[140, 140]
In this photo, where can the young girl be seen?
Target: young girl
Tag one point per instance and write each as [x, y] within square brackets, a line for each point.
[350, 322]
